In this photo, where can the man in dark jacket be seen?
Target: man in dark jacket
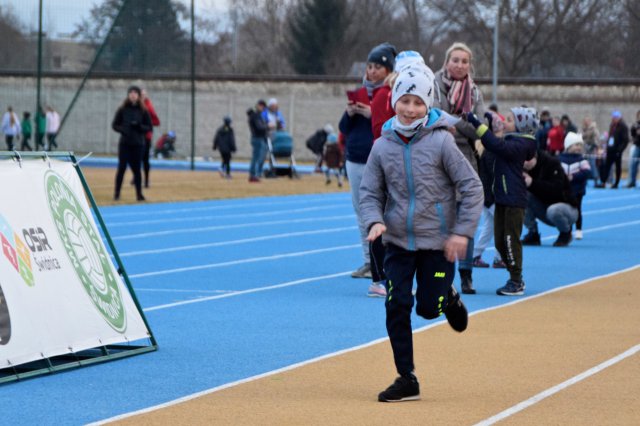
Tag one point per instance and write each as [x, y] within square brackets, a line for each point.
[258, 128]
[634, 156]
[550, 199]
[616, 144]
[225, 142]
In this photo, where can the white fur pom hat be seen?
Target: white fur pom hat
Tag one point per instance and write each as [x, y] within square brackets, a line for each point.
[572, 139]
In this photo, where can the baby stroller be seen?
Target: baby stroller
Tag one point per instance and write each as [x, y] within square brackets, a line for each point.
[281, 161]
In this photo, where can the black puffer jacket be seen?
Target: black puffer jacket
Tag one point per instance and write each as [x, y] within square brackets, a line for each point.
[225, 140]
[257, 125]
[132, 122]
[511, 152]
[549, 182]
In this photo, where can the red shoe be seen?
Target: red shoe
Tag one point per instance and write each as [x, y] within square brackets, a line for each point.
[499, 264]
[254, 179]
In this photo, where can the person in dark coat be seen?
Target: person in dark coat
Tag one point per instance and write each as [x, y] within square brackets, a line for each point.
[616, 144]
[550, 200]
[258, 128]
[225, 142]
[132, 121]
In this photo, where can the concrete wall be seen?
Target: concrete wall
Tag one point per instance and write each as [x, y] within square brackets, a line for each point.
[306, 106]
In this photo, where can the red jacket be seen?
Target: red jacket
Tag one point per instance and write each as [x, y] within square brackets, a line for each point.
[555, 141]
[381, 109]
[155, 121]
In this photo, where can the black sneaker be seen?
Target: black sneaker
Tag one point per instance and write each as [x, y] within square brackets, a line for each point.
[511, 288]
[531, 239]
[456, 312]
[405, 388]
[564, 238]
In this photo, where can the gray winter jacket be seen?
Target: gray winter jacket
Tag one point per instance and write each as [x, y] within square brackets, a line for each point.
[411, 187]
[466, 136]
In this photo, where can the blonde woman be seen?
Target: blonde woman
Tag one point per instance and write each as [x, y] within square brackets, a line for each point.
[457, 94]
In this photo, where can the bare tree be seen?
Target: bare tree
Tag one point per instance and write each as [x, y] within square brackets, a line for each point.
[14, 45]
[262, 37]
[537, 37]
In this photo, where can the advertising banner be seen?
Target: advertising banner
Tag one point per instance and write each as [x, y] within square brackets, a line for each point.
[59, 290]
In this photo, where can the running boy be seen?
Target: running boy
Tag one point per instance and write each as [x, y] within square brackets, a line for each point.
[408, 196]
[517, 146]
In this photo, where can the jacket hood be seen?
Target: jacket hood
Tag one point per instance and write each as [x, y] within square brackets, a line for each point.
[436, 118]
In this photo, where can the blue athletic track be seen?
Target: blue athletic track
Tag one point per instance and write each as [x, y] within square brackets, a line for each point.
[238, 288]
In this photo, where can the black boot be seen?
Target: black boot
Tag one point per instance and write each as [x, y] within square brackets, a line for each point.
[531, 239]
[466, 283]
[564, 238]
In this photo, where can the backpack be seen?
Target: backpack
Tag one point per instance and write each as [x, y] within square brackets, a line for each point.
[316, 142]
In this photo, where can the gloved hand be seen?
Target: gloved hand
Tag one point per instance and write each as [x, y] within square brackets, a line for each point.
[471, 118]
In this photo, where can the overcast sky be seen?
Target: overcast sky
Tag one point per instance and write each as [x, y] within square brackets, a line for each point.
[61, 16]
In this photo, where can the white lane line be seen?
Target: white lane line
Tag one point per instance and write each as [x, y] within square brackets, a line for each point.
[609, 199]
[242, 261]
[240, 205]
[613, 209]
[240, 225]
[228, 216]
[557, 388]
[182, 290]
[588, 231]
[240, 241]
[249, 291]
[343, 351]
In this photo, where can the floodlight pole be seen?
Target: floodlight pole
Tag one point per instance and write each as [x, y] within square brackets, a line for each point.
[193, 87]
[496, 26]
[39, 71]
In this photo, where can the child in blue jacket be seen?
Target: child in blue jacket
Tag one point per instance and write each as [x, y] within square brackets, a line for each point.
[578, 170]
[509, 188]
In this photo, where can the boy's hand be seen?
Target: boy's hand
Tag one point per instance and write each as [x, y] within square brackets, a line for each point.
[455, 247]
[375, 231]
[471, 118]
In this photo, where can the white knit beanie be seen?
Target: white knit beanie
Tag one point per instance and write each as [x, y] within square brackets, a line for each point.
[415, 80]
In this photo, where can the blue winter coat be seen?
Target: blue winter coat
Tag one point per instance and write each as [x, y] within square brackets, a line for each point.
[509, 188]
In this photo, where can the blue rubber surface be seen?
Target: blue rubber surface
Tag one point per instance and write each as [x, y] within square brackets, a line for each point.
[269, 282]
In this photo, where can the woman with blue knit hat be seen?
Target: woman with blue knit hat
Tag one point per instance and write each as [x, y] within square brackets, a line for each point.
[457, 94]
[408, 198]
[356, 127]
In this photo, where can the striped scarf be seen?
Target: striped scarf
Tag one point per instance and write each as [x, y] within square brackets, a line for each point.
[459, 93]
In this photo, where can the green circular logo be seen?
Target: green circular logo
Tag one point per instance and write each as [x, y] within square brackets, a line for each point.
[86, 253]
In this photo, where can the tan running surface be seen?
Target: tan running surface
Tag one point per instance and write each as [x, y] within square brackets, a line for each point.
[505, 357]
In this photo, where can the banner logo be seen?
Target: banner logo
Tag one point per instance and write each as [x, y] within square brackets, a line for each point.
[5, 320]
[16, 252]
[86, 253]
